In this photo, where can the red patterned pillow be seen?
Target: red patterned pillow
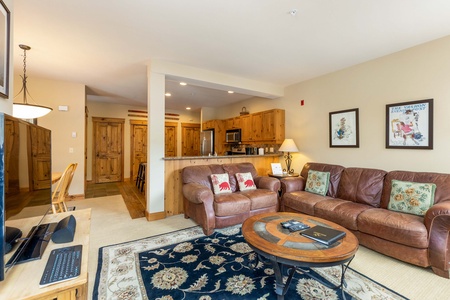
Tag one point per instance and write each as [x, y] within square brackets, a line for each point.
[245, 181]
[221, 183]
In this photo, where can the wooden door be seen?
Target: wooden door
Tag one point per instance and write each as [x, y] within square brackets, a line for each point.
[257, 127]
[190, 139]
[40, 141]
[268, 119]
[170, 139]
[108, 149]
[246, 123]
[138, 153]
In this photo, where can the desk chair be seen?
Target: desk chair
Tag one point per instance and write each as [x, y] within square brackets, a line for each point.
[62, 189]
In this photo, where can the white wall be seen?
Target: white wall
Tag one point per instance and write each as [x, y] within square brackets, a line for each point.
[417, 73]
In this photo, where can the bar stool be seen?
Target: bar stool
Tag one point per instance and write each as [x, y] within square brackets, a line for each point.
[140, 179]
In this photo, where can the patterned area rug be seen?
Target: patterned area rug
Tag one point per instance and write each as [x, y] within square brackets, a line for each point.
[187, 265]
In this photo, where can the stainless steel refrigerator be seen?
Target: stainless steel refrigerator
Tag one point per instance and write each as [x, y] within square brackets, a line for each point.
[207, 142]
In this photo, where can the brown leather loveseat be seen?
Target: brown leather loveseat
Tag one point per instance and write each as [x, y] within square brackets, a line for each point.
[211, 210]
[358, 199]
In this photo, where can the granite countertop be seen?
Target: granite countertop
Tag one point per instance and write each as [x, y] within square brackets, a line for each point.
[220, 156]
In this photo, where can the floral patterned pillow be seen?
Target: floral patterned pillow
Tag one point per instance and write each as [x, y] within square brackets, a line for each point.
[245, 181]
[317, 182]
[221, 183]
[411, 197]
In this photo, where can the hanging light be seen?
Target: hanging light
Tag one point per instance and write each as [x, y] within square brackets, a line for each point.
[25, 110]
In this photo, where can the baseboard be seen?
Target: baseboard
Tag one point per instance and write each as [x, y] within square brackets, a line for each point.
[155, 216]
[75, 197]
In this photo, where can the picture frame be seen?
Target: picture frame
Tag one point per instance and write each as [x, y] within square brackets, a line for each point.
[344, 128]
[5, 32]
[276, 169]
[409, 125]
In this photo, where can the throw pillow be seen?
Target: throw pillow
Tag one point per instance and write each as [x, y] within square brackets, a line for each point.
[221, 183]
[245, 181]
[317, 182]
[411, 197]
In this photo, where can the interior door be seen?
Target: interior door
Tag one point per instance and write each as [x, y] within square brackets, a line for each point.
[190, 139]
[40, 139]
[108, 149]
[170, 147]
[138, 146]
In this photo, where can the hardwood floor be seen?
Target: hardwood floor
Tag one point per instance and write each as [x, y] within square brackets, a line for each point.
[133, 198]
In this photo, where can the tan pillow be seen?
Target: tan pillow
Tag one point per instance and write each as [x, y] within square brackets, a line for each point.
[245, 181]
[221, 183]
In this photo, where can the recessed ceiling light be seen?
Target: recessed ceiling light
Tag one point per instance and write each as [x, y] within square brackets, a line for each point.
[188, 108]
[183, 83]
[230, 92]
[168, 94]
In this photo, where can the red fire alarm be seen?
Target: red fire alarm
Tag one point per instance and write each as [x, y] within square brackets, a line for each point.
[302, 102]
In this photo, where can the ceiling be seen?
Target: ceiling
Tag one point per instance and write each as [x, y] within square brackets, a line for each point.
[106, 44]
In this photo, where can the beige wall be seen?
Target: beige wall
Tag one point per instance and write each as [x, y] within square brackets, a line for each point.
[63, 124]
[105, 110]
[417, 73]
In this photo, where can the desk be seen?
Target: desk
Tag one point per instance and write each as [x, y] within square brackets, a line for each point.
[22, 281]
[280, 176]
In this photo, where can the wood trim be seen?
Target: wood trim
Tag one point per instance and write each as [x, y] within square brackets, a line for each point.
[138, 111]
[192, 125]
[155, 216]
[101, 119]
[139, 116]
[138, 122]
[171, 124]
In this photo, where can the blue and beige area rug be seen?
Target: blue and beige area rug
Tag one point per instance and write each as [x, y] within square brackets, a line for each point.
[188, 265]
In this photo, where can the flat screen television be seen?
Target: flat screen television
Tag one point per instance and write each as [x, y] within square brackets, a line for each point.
[25, 190]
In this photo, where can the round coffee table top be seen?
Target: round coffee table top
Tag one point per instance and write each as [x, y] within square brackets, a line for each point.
[265, 233]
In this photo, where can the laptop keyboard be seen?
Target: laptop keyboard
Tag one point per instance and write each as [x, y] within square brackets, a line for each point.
[63, 264]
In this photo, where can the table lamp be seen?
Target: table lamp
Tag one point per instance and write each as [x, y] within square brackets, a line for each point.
[288, 146]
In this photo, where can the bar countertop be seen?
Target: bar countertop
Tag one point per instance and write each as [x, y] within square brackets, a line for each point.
[220, 156]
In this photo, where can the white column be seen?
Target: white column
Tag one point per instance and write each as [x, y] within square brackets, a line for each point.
[155, 142]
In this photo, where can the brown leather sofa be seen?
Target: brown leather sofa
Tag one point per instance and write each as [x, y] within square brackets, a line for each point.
[357, 198]
[218, 211]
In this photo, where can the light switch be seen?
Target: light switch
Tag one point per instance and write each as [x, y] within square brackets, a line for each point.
[70, 150]
[74, 134]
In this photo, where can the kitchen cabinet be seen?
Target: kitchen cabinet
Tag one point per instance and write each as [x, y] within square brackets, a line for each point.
[233, 123]
[264, 127]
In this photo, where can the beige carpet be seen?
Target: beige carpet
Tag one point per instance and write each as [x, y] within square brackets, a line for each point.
[111, 224]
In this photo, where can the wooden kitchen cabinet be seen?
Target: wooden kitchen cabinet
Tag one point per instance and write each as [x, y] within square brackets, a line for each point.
[233, 123]
[264, 127]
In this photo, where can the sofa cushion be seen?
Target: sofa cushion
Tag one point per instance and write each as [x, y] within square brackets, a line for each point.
[302, 201]
[335, 174]
[394, 226]
[221, 184]
[441, 180]
[411, 197]
[342, 212]
[232, 169]
[245, 181]
[362, 185]
[261, 198]
[231, 204]
[317, 182]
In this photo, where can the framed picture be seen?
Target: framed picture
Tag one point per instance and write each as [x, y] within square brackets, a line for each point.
[276, 169]
[409, 125]
[344, 128]
[4, 50]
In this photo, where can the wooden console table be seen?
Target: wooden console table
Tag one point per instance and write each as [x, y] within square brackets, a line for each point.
[22, 281]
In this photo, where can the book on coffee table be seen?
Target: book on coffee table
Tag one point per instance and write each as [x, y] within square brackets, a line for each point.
[324, 235]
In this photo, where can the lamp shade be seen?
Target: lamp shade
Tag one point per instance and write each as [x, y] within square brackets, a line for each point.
[288, 146]
[29, 111]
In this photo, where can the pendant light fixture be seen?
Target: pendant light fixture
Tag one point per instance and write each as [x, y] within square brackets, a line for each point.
[25, 110]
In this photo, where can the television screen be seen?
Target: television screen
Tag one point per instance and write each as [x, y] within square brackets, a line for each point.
[25, 184]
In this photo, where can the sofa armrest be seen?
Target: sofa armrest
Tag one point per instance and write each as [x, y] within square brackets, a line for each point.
[437, 221]
[197, 193]
[268, 183]
[292, 184]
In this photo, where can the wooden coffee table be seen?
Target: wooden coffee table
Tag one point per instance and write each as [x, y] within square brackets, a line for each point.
[292, 251]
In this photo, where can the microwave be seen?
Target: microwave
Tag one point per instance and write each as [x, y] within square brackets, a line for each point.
[233, 136]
